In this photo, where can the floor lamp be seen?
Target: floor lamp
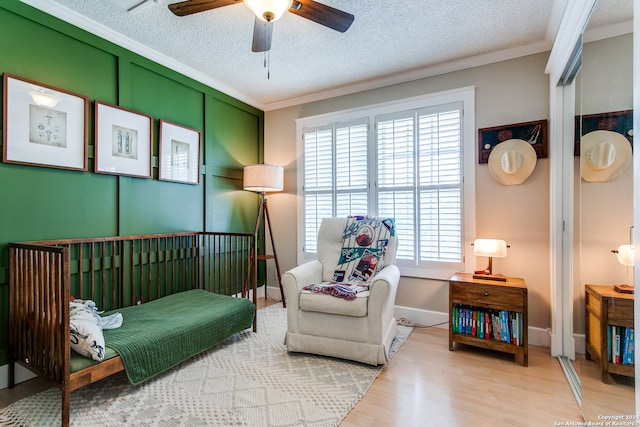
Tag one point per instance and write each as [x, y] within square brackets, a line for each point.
[262, 178]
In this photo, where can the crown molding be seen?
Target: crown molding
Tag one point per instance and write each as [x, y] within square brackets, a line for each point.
[95, 28]
[421, 73]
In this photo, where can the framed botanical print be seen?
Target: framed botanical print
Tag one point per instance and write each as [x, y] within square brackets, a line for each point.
[43, 125]
[123, 141]
[179, 153]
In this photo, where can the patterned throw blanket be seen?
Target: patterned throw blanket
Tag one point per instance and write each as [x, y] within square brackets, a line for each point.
[341, 290]
[364, 244]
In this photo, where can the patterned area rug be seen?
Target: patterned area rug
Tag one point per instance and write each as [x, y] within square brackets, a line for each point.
[247, 380]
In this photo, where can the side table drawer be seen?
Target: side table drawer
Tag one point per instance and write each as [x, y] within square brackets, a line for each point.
[620, 312]
[505, 298]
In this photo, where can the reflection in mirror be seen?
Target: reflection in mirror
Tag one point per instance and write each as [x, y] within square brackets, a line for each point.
[604, 213]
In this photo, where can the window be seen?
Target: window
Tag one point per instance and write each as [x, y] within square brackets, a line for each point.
[403, 160]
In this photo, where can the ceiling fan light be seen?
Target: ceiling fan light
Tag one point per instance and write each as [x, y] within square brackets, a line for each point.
[268, 10]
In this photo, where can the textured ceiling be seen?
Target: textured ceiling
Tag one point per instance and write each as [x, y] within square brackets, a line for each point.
[389, 42]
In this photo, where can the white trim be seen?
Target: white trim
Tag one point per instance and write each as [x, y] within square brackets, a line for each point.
[636, 188]
[93, 27]
[466, 95]
[431, 71]
[574, 20]
[22, 374]
[537, 336]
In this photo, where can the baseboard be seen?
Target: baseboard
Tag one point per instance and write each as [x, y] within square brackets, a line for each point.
[422, 317]
[537, 336]
[579, 340]
[22, 374]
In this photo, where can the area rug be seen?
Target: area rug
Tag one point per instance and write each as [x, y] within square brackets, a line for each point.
[247, 380]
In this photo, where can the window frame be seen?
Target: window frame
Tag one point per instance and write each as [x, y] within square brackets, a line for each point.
[464, 95]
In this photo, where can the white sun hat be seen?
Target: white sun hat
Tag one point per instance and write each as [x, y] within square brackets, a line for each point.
[603, 155]
[512, 161]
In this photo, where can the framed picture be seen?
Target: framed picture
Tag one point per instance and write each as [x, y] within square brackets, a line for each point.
[123, 141]
[535, 133]
[615, 121]
[43, 125]
[179, 153]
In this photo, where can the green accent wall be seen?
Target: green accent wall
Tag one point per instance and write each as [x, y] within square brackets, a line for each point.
[47, 203]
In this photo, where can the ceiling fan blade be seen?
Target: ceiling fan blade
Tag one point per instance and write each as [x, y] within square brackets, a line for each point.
[322, 14]
[262, 32]
[190, 7]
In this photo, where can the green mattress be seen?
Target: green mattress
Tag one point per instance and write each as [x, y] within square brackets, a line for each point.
[159, 334]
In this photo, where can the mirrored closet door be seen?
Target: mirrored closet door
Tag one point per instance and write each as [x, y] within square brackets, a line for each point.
[603, 311]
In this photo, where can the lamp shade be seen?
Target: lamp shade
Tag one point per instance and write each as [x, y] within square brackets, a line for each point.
[268, 10]
[625, 254]
[263, 178]
[490, 247]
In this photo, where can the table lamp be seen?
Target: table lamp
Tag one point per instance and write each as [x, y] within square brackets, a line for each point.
[625, 255]
[490, 248]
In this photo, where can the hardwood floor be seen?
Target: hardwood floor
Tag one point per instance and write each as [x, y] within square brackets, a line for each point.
[426, 384]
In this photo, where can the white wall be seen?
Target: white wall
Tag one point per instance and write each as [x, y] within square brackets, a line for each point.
[508, 92]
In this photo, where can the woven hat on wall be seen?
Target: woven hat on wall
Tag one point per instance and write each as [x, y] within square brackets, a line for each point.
[512, 161]
[603, 155]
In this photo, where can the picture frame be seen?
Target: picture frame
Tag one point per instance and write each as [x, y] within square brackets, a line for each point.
[615, 121]
[534, 132]
[179, 152]
[123, 141]
[43, 125]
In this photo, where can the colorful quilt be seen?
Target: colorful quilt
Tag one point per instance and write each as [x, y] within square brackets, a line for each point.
[364, 243]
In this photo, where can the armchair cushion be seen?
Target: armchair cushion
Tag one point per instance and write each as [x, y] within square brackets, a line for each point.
[322, 303]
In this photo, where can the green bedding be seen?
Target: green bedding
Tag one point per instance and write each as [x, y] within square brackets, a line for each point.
[159, 334]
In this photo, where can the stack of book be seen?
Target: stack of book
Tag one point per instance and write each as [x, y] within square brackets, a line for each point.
[620, 345]
[488, 324]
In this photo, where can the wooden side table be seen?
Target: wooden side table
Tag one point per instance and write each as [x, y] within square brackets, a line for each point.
[604, 309]
[489, 298]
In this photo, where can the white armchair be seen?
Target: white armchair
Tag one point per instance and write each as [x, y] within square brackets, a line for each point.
[361, 329]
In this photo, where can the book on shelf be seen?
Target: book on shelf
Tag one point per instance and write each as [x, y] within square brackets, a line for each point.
[488, 324]
[620, 345]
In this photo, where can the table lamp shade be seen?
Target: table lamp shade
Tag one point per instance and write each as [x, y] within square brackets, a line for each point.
[263, 178]
[490, 248]
[625, 254]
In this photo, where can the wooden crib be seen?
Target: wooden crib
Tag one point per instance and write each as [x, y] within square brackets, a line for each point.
[115, 272]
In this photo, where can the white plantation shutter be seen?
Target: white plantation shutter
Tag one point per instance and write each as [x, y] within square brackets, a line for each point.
[396, 177]
[335, 175]
[318, 178]
[406, 163]
[420, 182]
[440, 186]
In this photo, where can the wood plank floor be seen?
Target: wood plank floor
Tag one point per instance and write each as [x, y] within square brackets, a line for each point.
[425, 384]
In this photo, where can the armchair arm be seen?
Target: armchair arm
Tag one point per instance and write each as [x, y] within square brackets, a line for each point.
[301, 276]
[292, 282]
[384, 287]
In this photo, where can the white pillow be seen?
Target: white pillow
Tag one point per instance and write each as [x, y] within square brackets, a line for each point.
[86, 333]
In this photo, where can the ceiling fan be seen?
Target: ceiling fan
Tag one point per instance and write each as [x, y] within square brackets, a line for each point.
[269, 11]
